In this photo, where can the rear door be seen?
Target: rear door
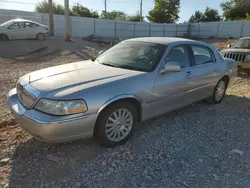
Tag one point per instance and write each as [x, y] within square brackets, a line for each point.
[204, 73]
[31, 30]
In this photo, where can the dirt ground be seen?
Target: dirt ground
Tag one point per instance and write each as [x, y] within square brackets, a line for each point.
[17, 148]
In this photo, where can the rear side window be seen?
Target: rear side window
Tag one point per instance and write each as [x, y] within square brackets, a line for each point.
[202, 55]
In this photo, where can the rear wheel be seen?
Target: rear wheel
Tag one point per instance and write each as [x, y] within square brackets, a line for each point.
[40, 36]
[4, 37]
[219, 92]
[116, 124]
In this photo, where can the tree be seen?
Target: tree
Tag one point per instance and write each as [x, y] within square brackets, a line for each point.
[235, 9]
[197, 17]
[165, 11]
[84, 12]
[43, 7]
[248, 16]
[114, 15]
[134, 18]
[210, 15]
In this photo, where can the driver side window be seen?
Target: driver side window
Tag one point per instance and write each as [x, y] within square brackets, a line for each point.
[14, 26]
[179, 55]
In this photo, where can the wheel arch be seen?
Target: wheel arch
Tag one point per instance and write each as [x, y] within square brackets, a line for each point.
[133, 99]
[4, 34]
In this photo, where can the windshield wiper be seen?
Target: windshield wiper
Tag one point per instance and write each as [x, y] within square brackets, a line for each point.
[111, 65]
[134, 68]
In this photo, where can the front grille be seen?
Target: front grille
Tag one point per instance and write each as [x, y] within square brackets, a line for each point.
[25, 96]
[235, 56]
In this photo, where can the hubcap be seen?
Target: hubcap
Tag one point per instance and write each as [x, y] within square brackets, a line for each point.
[119, 124]
[220, 90]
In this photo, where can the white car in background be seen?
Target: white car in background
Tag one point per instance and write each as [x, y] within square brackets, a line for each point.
[23, 29]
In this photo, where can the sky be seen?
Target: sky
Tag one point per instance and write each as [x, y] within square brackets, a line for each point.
[188, 7]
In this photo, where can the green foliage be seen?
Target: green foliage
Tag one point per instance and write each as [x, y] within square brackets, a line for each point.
[209, 15]
[248, 16]
[165, 11]
[196, 17]
[114, 15]
[235, 9]
[84, 12]
[43, 7]
[134, 18]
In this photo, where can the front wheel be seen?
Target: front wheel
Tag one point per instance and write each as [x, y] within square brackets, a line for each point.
[218, 93]
[40, 36]
[4, 37]
[116, 124]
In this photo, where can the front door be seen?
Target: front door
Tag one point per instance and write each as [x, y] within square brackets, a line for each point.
[16, 31]
[171, 89]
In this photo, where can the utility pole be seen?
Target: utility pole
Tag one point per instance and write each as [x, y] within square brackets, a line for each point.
[67, 32]
[51, 20]
[105, 8]
[141, 11]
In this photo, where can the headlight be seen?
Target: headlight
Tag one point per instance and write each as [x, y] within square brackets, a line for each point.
[248, 57]
[61, 107]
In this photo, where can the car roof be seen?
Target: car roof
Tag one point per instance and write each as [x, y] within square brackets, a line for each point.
[245, 38]
[22, 20]
[161, 40]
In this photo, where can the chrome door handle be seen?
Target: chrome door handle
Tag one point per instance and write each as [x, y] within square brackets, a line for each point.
[215, 70]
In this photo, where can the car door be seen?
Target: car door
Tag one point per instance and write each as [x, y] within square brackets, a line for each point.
[31, 30]
[171, 89]
[204, 73]
[13, 31]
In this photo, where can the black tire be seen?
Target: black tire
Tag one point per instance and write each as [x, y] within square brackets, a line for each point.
[99, 131]
[4, 37]
[40, 36]
[212, 99]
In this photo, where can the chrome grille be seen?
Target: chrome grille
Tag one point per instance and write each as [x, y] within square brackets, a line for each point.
[27, 98]
[235, 56]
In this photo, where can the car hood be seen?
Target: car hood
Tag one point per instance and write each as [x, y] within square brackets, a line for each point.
[85, 74]
[236, 50]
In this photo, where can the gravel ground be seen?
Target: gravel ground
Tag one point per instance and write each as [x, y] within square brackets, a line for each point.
[201, 145]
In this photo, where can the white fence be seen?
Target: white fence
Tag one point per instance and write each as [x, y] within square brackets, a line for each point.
[86, 26]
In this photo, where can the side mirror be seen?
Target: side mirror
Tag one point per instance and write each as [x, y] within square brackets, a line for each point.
[171, 67]
[229, 45]
[100, 52]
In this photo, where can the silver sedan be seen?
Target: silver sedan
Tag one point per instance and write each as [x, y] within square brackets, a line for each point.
[136, 80]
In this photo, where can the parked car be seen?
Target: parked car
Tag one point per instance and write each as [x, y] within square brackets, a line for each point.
[240, 52]
[134, 81]
[23, 29]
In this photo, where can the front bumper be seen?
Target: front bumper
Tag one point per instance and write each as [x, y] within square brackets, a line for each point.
[48, 128]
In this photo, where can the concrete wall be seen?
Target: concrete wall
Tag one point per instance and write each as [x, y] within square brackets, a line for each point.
[86, 26]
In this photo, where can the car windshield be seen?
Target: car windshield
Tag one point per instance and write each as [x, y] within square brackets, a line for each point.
[140, 56]
[242, 43]
[6, 24]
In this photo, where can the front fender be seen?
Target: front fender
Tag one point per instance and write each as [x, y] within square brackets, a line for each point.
[119, 97]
